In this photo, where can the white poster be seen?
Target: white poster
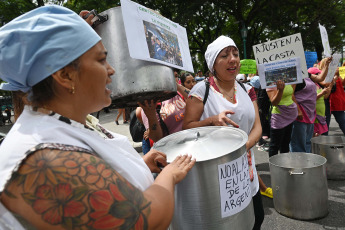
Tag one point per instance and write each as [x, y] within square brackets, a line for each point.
[287, 70]
[234, 186]
[282, 49]
[332, 67]
[325, 42]
[152, 37]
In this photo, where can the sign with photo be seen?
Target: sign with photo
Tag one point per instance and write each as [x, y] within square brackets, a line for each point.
[152, 37]
[282, 49]
[325, 42]
[311, 58]
[287, 70]
[248, 66]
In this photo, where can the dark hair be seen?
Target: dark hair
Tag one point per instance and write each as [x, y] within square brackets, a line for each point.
[184, 77]
[44, 90]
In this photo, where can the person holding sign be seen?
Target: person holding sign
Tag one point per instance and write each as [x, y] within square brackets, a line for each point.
[227, 103]
[284, 112]
[306, 96]
[57, 171]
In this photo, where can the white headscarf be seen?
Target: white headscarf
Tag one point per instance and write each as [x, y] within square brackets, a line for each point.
[214, 49]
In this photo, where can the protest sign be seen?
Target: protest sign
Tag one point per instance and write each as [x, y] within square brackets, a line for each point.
[248, 66]
[282, 49]
[311, 58]
[234, 186]
[152, 37]
[325, 42]
[332, 67]
[342, 72]
[287, 70]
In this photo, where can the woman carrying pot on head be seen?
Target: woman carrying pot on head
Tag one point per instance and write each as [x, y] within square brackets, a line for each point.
[162, 119]
[58, 171]
[227, 103]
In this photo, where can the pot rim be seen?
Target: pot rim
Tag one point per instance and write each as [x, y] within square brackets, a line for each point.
[157, 145]
[296, 154]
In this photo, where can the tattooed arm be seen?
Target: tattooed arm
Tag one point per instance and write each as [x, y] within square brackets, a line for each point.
[155, 130]
[56, 189]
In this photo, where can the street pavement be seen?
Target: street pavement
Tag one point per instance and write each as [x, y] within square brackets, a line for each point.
[335, 220]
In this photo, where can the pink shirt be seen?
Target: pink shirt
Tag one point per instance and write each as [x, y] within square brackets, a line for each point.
[172, 113]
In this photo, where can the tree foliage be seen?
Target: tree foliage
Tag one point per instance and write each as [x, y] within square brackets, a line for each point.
[206, 20]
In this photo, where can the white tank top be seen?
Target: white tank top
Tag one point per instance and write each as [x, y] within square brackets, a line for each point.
[244, 113]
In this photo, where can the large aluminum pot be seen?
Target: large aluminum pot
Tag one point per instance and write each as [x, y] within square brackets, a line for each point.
[333, 149]
[135, 80]
[199, 198]
[299, 185]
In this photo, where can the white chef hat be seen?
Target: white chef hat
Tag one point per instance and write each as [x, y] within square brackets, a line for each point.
[214, 49]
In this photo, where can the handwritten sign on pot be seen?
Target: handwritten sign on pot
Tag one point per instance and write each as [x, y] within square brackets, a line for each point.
[234, 186]
[152, 37]
[281, 49]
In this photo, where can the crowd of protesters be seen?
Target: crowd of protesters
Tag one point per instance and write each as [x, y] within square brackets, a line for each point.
[55, 155]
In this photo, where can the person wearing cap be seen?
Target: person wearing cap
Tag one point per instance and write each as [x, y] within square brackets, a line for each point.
[240, 77]
[57, 170]
[228, 104]
[305, 96]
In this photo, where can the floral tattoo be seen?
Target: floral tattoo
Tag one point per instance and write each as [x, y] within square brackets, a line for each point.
[79, 191]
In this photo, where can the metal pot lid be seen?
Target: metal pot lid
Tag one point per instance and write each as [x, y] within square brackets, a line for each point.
[203, 143]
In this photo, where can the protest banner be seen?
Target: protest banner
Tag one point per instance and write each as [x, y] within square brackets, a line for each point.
[234, 186]
[311, 58]
[332, 67]
[342, 72]
[248, 66]
[287, 70]
[152, 37]
[282, 49]
[325, 42]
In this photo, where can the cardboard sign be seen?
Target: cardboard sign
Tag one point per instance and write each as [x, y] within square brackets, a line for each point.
[287, 70]
[332, 67]
[342, 72]
[282, 49]
[152, 37]
[325, 42]
[248, 66]
[234, 186]
[311, 58]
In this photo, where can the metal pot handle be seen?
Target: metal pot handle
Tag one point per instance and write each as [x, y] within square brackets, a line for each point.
[336, 146]
[295, 173]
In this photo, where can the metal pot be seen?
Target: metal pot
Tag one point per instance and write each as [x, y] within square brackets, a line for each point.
[299, 185]
[135, 80]
[200, 202]
[333, 149]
